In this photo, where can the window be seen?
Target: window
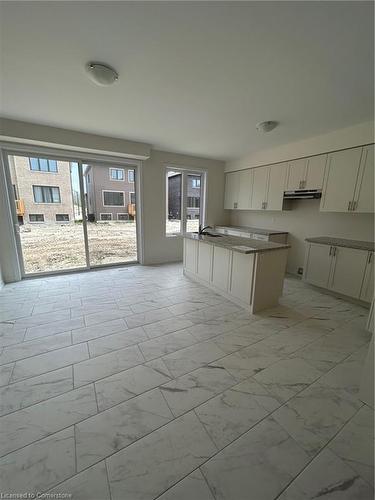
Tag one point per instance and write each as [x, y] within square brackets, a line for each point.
[116, 174]
[43, 165]
[36, 217]
[46, 194]
[122, 216]
[183, 206]
[131, 175]
[131, 197]
[193, 201]
[62, 218]
[113, 198]
[105, 216]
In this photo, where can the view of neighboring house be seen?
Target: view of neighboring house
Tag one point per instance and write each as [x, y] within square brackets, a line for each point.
[42, 190]
[174, 195]
[110, 193]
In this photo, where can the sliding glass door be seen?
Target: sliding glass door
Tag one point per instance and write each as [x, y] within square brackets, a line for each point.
[72, 215]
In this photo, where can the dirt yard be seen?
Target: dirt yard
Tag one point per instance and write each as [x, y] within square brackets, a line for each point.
[58, 247]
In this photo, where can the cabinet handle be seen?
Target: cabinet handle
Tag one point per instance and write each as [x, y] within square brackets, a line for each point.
[369, 257]
[235, 205]
[334, 251]
[349, 206]
[300, 184]
[354, 205]
[330, 250]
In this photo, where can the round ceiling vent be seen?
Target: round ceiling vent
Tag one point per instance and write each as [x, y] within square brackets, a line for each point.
[101, 74]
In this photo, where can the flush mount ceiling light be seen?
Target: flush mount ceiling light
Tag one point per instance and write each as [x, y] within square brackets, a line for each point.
[101, 74]
[266, 126]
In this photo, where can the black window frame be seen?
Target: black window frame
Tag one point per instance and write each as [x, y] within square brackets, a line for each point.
[64, 215]
[43, 195]
[104, 191]
[49, 171]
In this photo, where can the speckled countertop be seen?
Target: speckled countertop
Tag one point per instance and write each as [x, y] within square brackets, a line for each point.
[242, 245]
[341, 242]
[256, 230]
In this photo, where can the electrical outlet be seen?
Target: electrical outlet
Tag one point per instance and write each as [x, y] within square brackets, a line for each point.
[300, 270]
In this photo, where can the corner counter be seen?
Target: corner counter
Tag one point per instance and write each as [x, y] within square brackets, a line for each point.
[246, 271]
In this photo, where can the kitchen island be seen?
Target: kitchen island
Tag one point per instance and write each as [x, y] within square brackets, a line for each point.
[246, 271]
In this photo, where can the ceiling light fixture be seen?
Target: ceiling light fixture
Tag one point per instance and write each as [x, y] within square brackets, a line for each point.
[101, 74]
[266, 126]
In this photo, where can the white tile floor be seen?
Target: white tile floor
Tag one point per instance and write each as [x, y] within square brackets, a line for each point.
[135, 384]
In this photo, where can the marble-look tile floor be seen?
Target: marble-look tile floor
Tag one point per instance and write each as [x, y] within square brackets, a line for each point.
[135, 383]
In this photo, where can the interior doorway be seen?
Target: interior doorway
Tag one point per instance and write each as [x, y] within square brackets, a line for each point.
[72, 215]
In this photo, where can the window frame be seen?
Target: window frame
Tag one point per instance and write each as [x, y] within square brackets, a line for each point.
[46, 202]
[37, 221]
[62, 220]
[48, 163]
[105, 213]
[196, 187]
[113, 191]
[117, 169]
[122, 213]
[133, 173]
[185, 172]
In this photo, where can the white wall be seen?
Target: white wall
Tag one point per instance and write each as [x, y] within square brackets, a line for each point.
[349, 137]
[305, 219]
[159, 248]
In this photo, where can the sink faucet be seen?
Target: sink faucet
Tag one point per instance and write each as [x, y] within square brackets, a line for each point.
[202, 229]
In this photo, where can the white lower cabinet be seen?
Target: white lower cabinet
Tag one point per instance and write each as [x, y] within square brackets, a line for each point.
[190, 255]
[347, 271]
[318, 264]
[204, 261]
[241, 276]
[220, 267]
[367, 290]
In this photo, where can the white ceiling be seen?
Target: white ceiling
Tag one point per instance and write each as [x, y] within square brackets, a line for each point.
[194, 77]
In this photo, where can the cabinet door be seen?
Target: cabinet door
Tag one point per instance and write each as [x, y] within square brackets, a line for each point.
[364, 198]
[318, 264]
[190, 255]
[367, 291]
[245, 187]
[204, 261]
[232, 185]
[260, 181]
[340, 180]
[276, 187]
[348, 269]
[296, 174]
[242, 276]
[220, 267]
[315, 172]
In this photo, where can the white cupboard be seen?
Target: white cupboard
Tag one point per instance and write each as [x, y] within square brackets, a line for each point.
[190, 255]
[204, 260]
[232, 186]
[220, 267]
[259, 188]
[367, 290]
[364, 194]
[245, 179]
[276, 187]
[348, 267]
[296, 174]
[241, 276]
[314, 176]
[340, 180]
[348, 271]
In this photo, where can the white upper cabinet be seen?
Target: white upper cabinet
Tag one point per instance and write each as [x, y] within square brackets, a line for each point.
[276, 186]
[340, 180]
[315, 172]
[245, 189]
[232, 186]
[364, 193]
[296, 174]
[260, 185]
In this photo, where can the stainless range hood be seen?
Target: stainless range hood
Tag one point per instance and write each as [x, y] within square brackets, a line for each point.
[302, 194]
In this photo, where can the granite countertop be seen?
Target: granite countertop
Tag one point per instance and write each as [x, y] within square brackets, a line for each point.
[341, 242]
[236, 243]
[256, 230]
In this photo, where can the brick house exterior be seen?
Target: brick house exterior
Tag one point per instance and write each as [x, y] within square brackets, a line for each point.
[174, 196]
[32, 190]
[109, 192]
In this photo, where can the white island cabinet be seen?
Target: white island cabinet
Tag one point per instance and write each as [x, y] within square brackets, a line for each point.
[251, 276]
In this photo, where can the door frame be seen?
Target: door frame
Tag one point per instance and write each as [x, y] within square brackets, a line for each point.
[79, 157]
